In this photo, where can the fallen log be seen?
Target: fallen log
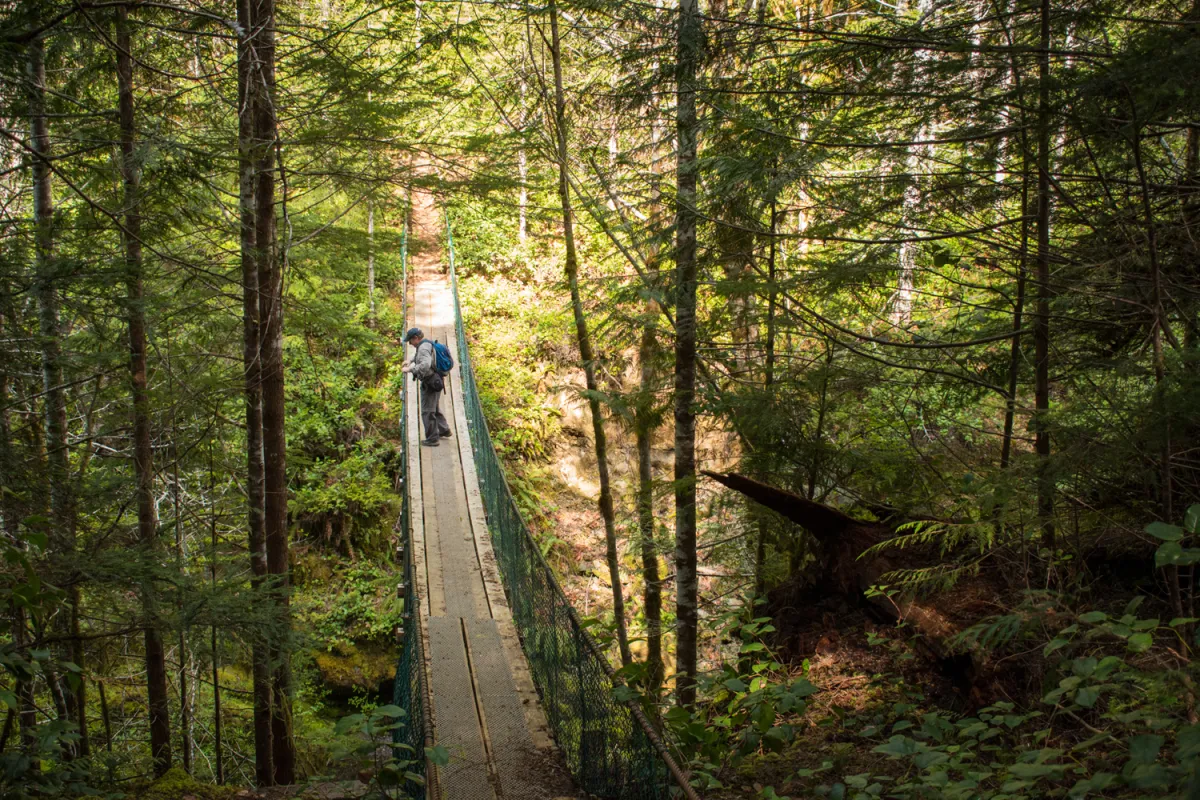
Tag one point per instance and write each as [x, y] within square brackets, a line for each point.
[843, 571]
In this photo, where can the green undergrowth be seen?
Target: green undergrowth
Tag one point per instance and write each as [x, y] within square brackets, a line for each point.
[176, 784]
[341, 602]
[1086, 698]
[519, 339]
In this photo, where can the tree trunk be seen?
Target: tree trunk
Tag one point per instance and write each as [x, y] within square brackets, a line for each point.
[9, 516]
[27, 710]
[1041, 325]
[1018, 320]
[585, 346]
[185, 711]
[1158, 328]
[901, 313]
[218, 743]
[371, 256]
[760, 548]
[643, 431]
[157, 694]
[260, 656]
[270, 309]
[689, 46]
[45, 287]
[522, 175]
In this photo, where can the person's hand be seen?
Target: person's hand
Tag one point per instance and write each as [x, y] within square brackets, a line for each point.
[406, 368]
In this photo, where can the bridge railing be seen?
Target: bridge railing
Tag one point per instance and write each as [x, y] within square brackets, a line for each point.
[411, 688]
[606, 738]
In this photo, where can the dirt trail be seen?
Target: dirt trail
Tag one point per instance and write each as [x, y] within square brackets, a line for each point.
[426, 225]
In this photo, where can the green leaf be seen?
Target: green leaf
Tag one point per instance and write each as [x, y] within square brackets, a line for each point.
[389, 776]
[624, 694]
[897, 747]
[438, 755]
[1191, 519]
[1097, 783]
[1175, 623]
[1028, 771]
[1140, 642]
[9, 699]
[1143, 748]
[1087, 696]
[351, 722]
[1055, 644]
[735, 685]
[1168, 554]
[1093, 617]
[764, 717]
[930, 758]
[1081, 667]
[1168, 533]
[390, 711]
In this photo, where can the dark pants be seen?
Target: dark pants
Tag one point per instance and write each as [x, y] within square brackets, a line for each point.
[435, 424]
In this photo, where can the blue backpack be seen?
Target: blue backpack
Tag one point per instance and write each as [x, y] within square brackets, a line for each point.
[443, 362]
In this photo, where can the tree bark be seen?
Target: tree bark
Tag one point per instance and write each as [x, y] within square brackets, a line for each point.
[45, 287]
[586, 353]
[157, 694]
[27, 710]
[185, 711]
[264, 769]
[1041, 324]
[1018, 318]
[218, 742]
[644, 424]
[270, 309]
[522, 175]
[9, 516]
[760, 548]
[371, 256]
[689, 47]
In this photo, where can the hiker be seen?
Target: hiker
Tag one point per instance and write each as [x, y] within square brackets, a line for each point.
[424, 368]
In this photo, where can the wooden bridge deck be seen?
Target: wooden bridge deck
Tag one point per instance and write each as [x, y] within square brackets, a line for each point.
[485, 708]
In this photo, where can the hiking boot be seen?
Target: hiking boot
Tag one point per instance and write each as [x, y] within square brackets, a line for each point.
[446, 435]
[429, 443]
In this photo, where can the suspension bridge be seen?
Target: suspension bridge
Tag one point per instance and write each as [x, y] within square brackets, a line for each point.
[494, 664]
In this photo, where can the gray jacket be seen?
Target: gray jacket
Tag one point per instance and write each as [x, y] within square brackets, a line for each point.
[423, 361]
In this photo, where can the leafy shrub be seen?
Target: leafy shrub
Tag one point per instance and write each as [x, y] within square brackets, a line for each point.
[356, 603]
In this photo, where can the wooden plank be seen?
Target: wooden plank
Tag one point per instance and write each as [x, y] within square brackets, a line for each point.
[416, 503]
[535, 717]
[416, 534]
[433, 550]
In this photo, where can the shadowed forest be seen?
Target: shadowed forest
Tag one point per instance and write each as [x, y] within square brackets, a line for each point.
[843, 358]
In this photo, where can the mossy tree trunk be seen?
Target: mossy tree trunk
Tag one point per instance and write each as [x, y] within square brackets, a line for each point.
[264, 769]
[158, 701]
[586, 353]
[689, 47]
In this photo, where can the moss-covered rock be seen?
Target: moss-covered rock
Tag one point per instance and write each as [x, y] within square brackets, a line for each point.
[177, 785]
[348, 668]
